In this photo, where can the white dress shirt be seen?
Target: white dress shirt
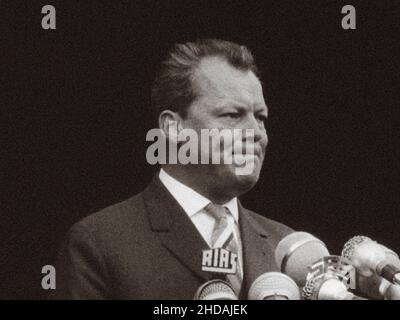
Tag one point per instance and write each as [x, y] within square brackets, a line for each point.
[193, 203]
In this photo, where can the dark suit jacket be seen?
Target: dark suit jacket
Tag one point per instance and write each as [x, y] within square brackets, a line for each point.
[147, 248]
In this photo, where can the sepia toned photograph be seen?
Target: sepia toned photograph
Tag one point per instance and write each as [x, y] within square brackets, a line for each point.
[200, 150]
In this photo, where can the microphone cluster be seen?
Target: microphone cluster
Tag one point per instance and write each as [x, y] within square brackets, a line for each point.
[364, 270]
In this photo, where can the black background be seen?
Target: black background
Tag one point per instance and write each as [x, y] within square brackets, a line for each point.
[75, 112]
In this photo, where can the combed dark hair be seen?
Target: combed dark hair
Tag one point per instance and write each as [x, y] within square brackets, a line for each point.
[173, 88]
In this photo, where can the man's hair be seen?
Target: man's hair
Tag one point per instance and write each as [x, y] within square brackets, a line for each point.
[173, 88]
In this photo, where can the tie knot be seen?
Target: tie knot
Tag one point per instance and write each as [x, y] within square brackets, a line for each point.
[217, 211]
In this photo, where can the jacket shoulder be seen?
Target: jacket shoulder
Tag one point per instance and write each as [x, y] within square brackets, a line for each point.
[272, 227]
[114, 218]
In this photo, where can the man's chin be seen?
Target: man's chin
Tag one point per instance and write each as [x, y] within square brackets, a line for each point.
[242, 182]
[246, 182]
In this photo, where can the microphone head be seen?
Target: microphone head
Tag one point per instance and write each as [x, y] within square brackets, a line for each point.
[215, 290]
[366, 255]
[274, 284]
[351, 245]
[296, 252]
[327, 287]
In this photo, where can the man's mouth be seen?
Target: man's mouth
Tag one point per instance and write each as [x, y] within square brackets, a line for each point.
[257, 152]
[243, 159]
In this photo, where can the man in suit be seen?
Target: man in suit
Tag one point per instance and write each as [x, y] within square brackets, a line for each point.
[150, 246]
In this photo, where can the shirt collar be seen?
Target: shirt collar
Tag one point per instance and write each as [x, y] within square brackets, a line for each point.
[191, 201]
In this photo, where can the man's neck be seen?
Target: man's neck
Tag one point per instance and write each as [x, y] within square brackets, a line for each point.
[196, 183]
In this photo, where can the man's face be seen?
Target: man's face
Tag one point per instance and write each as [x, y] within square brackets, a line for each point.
[229, 98]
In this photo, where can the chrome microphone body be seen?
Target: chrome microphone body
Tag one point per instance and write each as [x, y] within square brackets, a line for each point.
[370, 258]
[392, 292]
[371, 284]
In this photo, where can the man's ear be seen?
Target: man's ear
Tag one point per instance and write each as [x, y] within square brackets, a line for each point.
[170, 123]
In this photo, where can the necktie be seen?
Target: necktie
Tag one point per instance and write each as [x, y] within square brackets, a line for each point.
[223, 237]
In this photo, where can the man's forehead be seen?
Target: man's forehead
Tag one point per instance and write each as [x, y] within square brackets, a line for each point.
[215, 76]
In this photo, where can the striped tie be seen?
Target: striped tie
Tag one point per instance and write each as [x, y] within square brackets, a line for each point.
[223, 237]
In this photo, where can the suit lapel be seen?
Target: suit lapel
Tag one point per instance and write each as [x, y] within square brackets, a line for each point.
[258, 253]
[179, 235]
[175, 229]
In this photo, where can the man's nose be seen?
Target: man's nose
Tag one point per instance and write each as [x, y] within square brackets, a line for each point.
[260, 133]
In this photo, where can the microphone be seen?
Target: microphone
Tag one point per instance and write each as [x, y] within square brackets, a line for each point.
[215, 290]
[330, 278]
[274, 286]
[393, 292]
[375, 287]
[326, 287]
[296, 252]
[392, 256]
[371, 258]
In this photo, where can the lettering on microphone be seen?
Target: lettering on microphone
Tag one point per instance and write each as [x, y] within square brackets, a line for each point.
[337, 266]
[219, 260]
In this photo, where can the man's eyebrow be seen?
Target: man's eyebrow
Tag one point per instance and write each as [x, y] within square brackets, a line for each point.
[258, 109]
[233, 104]
[262, 109]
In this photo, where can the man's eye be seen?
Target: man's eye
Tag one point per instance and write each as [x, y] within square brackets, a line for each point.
[232, 115]
[262, 118]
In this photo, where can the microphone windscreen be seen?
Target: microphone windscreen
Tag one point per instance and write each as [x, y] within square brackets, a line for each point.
[351, 245]
[297, 252]
[366, 255]
[215, 290]
[393, 292]
[272, 284]
[334, 289]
